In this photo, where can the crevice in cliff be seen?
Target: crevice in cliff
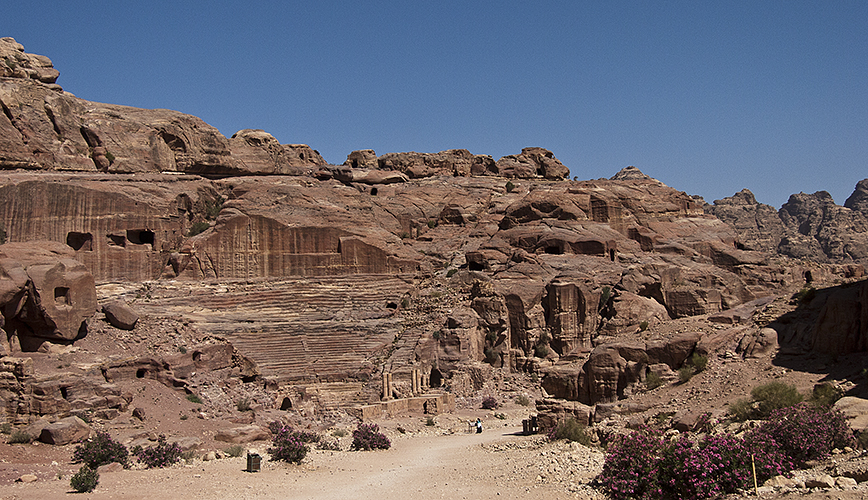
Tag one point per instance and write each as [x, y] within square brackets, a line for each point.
[12, 120]
[50, 113]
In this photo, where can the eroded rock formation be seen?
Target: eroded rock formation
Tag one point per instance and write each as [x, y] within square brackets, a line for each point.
[45, 295]
[386, 267]
[808, 226]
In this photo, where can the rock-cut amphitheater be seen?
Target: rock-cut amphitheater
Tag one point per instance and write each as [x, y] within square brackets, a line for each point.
[417, 277]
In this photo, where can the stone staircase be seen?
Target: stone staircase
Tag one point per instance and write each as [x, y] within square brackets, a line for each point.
[323, 329]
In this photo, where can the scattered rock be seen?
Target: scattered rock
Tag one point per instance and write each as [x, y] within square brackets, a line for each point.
[245, 434]
[120, 315]
[65, 431]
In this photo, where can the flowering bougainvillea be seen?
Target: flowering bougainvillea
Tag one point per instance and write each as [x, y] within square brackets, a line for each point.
[643, 465]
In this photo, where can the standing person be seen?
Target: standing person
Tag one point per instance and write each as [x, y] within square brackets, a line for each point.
[478, 426]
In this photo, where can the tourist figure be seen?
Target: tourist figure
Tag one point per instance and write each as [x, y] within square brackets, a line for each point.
[478, 426]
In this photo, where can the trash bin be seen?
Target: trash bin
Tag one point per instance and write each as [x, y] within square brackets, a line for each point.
[254, 461]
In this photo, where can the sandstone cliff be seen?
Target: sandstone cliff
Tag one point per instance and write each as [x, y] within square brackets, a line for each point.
[445, 264]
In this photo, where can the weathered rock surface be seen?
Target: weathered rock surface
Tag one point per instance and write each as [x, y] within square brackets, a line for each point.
[427, 267]
[65, 431]
[808, 226]
[245, 434]
[15, 63]
[45, 294]
[120, 315]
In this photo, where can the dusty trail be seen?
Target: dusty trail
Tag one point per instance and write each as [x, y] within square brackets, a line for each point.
[452, 466]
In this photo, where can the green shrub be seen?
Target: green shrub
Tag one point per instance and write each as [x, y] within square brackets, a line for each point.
[194, 399]
[236, 450]
[804, 295]
[188, 455]
[5, 428]
[541, 350]
[774, 396]
[826, 395]
[522, 400]
[685, 373]
[369, 437]
[764, 400]
[162, 454]
[571, 430]
[604, 297]
[491, 356]
[339, 433]
[432, 223]
[451, 272]
[653, 381]
[110, 157]
[197, 228]
[101, 450]
[243, 404]
[19, 437]
[741, 410]
[510, 187]
[699, 362]
[643, 326]
[430, 422]
[213, 207]
[85, 480]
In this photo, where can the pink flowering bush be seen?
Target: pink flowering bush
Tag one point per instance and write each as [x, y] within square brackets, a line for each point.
[369, 437]
[642, 465]
[162, 454]
[804, 432]
[630, 469]
[290, 445]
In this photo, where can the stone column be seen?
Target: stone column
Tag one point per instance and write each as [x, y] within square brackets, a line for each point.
[386, 391]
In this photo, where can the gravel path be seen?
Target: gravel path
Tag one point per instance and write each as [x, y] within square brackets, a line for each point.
[497, 464]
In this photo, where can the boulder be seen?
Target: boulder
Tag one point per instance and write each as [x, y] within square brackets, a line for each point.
[120, 315]
[244, 434]
[65, 431]
[855, 410]
[258, 152]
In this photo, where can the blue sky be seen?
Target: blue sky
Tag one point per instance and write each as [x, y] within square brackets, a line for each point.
[708, 97]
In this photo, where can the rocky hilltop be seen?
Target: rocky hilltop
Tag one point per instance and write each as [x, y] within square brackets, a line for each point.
[335, 287]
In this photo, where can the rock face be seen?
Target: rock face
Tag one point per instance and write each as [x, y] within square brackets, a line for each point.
[43, 127]
[45, 294]
[808, 226]
[531, 163]
[15, 63]
[387, 274]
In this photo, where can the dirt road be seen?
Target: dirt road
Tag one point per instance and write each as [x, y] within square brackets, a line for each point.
[453, 466]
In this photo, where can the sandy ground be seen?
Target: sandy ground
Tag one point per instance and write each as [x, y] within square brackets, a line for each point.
[497, 464]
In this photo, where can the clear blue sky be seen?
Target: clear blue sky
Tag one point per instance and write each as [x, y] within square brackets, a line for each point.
[709, 97]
